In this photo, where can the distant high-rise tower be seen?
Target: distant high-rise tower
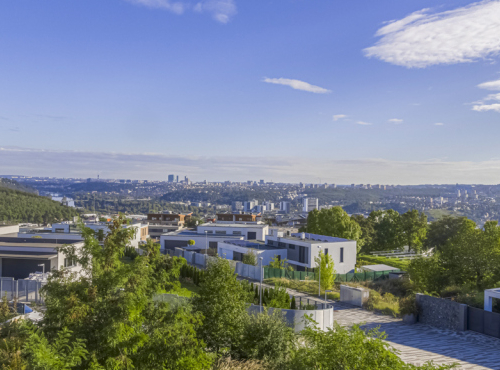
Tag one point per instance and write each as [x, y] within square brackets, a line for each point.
[171, 178]
[177, 178]
[309, 204]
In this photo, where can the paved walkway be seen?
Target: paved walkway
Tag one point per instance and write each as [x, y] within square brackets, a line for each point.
[420, 343]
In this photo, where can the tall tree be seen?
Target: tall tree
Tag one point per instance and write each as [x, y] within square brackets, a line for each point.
[327, 268]
[367, 232]
[333, 222]
[414, 229]
[109, 304]
[388, 231]
[221, 300]
[441, 231]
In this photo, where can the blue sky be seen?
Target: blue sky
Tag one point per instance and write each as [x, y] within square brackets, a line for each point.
[85, 86]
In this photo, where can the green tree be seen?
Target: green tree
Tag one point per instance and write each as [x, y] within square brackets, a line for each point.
[278, 263]
[441, 231]
[221, 300]
[327, 268]
[333, 222]
[191, 242]
[348, 348]
[64, 353]
[266, 337]
[108, 303]
[250, 258]
[388, 231]
[414, 229]
[367, 232]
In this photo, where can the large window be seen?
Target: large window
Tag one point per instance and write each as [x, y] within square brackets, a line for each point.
[220, 232]
[291, 246]
[68, 262]
[236, 232]
[302, 254]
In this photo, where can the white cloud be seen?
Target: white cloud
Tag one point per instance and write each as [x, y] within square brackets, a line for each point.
[221, 10]
[38, 162]
[396, 120]
[363, 123]
[422, 39]
[480, 106]
[439, 124]
[486, 107]
[173, 6]
[339, 116]
[297, 85]
[490, 85]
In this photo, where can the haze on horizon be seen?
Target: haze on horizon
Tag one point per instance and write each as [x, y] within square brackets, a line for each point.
[369, 92]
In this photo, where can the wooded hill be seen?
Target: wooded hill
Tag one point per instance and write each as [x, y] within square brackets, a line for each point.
[22, 206]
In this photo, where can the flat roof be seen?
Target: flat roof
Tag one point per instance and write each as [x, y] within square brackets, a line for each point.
[252, 244]
[208, 224]
[195, 234]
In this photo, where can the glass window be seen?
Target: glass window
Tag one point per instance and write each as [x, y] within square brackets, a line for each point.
[341, 255]
[291, 246]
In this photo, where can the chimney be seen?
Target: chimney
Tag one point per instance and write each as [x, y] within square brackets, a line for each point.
[303, 236]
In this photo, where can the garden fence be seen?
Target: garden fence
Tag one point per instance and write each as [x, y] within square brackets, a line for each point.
[25, 290]
[270, 272]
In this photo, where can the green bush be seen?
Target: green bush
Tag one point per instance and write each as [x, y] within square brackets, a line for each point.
[408, 305]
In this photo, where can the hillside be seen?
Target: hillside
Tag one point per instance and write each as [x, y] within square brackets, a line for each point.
[21, 206]
[14, 185]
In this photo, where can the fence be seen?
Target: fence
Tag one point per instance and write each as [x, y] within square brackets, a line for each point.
[270, 272]
[24, 289]
[483, 322]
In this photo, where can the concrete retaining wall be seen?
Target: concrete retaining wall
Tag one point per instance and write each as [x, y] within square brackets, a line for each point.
[441, 313]
[354, 296]
[295, 318]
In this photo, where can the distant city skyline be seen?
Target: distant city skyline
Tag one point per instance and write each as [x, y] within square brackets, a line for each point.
[17, 161]
[402, 92]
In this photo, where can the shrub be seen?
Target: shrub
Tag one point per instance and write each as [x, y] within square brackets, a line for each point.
[408, 305]
[266, 337]
[131, 253]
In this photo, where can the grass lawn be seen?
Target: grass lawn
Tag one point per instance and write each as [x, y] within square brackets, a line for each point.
[187, 289]
[364, 259]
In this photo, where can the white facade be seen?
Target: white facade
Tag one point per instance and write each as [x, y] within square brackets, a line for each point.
[180, 239]
[234, 250]
[250, 231]
[309, 204]
[302, 249]
[69, 231]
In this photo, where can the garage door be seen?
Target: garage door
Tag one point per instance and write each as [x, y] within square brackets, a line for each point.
[21, 268]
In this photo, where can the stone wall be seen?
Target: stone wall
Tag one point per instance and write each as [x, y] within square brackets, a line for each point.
[441, 313]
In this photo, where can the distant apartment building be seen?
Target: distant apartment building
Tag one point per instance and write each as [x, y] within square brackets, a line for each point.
[269, 206]
[171, 178]
[160, 223]
[237, 206]
[285, 207]
[309, 204]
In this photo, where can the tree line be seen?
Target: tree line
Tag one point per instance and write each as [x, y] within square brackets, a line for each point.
[106, 317]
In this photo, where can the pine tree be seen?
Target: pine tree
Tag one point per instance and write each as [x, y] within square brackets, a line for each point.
[293, 305]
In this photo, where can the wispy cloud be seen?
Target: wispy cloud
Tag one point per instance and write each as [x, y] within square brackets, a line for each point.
[297, 85]
[339, 116]
[396, 120]
[481, 106]
[363, 123]
[221, 10]
[37, 162]
[423, 38]
[439, 124]
[490, 85]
